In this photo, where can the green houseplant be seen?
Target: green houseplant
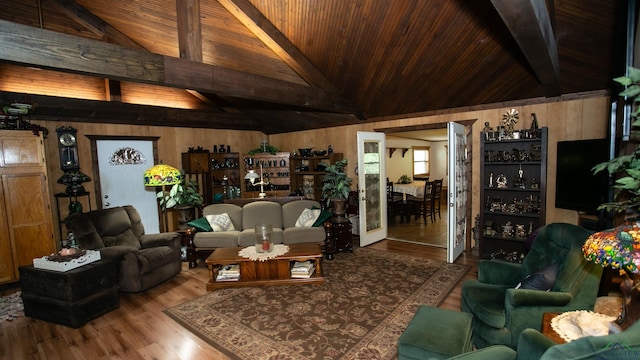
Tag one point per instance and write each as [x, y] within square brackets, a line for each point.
[627, 186]
[619, 248]
[184, 198]
[404, 179]
[336, 186]
[181, 195]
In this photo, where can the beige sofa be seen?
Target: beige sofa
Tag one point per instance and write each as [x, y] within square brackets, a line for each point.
[282, 217]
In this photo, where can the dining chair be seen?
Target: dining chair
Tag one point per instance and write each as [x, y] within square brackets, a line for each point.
[423, 206]
[394, 201]
[437, 193]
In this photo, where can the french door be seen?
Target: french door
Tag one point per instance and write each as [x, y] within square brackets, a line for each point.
[372, 197]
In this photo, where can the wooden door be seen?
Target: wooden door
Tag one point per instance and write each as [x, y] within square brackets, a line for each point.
[28, 212]
[26, 223]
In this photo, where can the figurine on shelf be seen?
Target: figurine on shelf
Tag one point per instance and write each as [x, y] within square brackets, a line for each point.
[501, 181]
[520, 181]
[507, 230]
[534, 125]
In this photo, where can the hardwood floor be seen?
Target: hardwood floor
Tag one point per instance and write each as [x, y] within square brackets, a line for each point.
[140, 330]
[431, 233]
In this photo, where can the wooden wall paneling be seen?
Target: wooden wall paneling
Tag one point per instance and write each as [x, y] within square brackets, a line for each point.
[47, 82]
[173, 141]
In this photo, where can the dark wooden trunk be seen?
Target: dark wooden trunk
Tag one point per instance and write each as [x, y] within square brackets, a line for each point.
[73, 297]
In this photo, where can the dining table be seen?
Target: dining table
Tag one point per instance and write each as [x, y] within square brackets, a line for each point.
[415, 188]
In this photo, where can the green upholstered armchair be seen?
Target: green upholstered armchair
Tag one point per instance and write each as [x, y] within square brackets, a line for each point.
[532, 345]
[501, 312]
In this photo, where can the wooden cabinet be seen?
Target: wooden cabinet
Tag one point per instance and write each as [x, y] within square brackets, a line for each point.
[225, 176]
[26, 224]
[275, 170]
[512, 193]
[197, 167]
[307, 175]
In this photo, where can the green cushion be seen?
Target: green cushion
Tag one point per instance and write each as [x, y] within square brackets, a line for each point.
[435, 333]
[201, 224]
[485, 301]
[324, 216]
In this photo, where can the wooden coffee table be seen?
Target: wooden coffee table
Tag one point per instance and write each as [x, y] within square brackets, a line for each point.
[274, 271]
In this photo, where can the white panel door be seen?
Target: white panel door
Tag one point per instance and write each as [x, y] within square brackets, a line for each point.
[372, 186]
[122, 164]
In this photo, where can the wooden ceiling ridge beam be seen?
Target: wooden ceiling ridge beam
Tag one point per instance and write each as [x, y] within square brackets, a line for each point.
[36, 47]
[530, 24]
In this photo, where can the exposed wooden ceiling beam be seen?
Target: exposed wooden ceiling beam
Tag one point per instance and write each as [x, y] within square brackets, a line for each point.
[95, 24]
[93, 111]
[530, 24]
[189, 29]
[266, 32]
[42, 48]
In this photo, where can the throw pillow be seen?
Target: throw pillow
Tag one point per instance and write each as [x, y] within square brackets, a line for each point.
[201, 224]
[542, 279]
[308, 217]
[324, 216]
[220, 222]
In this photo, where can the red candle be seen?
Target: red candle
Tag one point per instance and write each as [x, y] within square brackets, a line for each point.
[265, 245]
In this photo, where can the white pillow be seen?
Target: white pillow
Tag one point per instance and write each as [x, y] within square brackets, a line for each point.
[308, 217]
[220, 222]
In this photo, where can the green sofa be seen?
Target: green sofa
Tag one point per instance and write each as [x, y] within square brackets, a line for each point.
[501, 312]
[532, 345]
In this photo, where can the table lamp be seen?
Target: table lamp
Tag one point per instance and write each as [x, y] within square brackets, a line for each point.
[619, 249]
[252, 176]
[162, 175]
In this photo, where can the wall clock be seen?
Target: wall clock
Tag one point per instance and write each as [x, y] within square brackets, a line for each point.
[68, 148]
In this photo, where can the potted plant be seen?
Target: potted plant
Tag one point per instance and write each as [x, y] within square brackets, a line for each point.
[404, 179]
[336, 186]
[619, 248]
[184, 197]
[627, 186]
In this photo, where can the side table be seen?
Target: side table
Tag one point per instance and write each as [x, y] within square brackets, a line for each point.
[547, 330]
[73, 297]
[338, 236]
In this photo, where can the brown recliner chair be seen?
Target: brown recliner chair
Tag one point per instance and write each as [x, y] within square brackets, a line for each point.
[145, 259]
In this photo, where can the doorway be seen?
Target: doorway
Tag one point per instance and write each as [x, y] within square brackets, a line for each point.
[434, 233]
[119, 163]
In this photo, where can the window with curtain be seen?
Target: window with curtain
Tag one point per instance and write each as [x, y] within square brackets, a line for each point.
[420, 161]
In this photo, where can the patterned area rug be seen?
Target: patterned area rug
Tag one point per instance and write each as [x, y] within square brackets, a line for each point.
[11, 307]
[367, 300]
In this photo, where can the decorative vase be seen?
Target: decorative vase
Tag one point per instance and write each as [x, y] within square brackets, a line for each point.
[264, 243]
[339, 207]
[185, 214]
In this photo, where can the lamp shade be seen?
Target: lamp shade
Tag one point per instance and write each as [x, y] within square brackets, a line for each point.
[162, 174]
[252, 176]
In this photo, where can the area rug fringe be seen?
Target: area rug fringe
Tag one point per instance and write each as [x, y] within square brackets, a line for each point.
[367, 301]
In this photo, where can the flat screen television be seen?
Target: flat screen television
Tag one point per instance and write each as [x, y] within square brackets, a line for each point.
[577, 188]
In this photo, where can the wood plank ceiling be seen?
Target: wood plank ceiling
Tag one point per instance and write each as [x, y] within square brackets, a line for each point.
[280, 66]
